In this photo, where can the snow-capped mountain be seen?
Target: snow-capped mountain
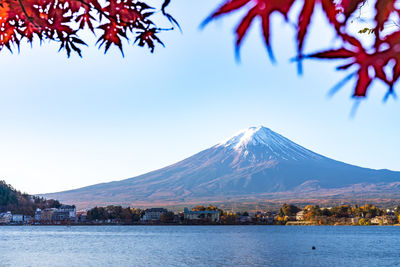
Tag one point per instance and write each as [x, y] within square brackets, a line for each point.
[256, 163]
[260, 143]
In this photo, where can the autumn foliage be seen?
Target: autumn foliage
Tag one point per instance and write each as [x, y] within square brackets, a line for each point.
[381, 61]
[115, 20]
[61, 20]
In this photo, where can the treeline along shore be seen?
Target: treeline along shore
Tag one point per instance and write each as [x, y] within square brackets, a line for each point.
[207, 215]
[17, 208]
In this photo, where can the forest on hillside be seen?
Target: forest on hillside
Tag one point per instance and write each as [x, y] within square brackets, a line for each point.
[22, 203]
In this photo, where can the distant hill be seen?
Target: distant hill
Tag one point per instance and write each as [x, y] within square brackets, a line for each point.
[21, 203]
[256, 164]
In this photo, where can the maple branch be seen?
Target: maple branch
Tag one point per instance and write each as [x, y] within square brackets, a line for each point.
[121, 20]
[30, 19]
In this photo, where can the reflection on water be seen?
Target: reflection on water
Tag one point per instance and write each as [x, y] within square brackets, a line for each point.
[199, 246]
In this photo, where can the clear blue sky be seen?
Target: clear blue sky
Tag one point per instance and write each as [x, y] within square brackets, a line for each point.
[67, 123]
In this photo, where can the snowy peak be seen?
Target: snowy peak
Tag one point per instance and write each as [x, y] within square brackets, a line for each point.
[268, 144]
[250, 136]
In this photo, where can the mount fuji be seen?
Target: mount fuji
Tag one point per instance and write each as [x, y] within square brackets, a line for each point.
[253, 165]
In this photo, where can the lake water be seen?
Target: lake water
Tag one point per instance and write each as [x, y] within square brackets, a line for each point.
[199, 246]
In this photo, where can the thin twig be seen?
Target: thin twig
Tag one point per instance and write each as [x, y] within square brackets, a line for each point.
[31, 20]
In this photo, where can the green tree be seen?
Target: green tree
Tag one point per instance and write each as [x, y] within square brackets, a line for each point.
[288, 210]
[17, 202]
[167, 217]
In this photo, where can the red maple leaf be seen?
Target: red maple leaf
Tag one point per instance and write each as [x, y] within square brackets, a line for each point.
[259, 8]
[369, 66]
[148, 37]
[370, 63]
[61, 21]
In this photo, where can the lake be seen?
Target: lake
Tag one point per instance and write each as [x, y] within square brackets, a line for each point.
[199, 246]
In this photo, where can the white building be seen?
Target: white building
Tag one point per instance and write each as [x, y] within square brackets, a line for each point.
[201, 215]
[17, 218]
[71, 210]
[65, 213]
[37, 214]
[380, 220]
[153, 214]
[300, 216]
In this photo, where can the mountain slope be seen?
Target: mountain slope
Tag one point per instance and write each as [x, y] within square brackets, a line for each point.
[255, 163]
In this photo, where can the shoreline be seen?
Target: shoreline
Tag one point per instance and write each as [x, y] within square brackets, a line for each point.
[288, 225]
